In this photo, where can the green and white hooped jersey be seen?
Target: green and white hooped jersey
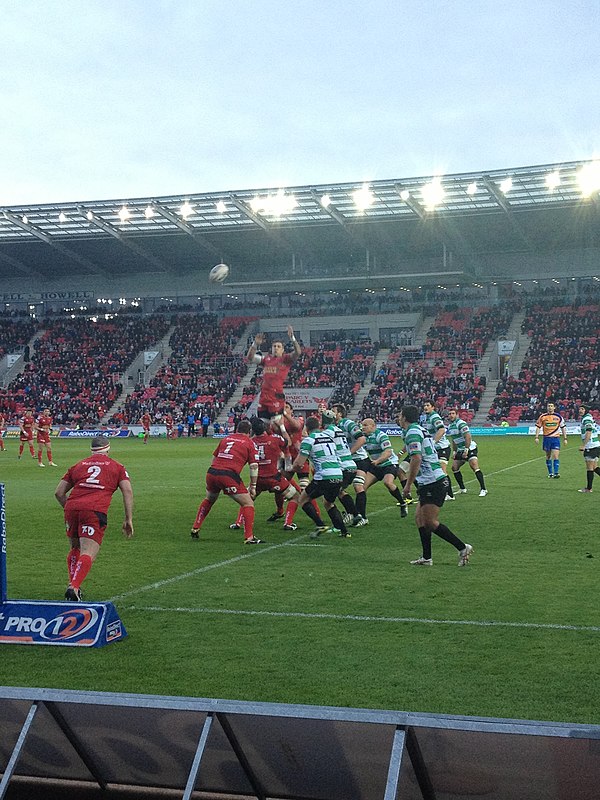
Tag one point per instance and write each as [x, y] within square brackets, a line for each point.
[418, 442]
[341, 446]
[352, 432]
[319, 447]
[457, 430]
[433, 423]
[376, 443]
[588, 424]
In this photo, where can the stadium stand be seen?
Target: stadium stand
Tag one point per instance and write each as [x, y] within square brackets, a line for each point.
[15, 333]
[200, 375]
[76, 366]
[561, 365]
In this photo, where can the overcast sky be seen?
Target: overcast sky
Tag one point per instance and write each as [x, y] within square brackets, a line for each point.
[115, 99]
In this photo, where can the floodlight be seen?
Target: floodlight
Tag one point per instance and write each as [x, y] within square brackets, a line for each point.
[90, 216]
[124, 214]
[221, 207]
[588, 178]
[472, 188]
[363, 197]
[25, 220]
[404, 195]
[433, 193]
[62, 217]
[149, 212]
[326, 200]
[186, 209]
[255, 204]
[553, 180]
[506, 185]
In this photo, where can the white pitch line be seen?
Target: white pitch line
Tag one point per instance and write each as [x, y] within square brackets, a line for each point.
[235, 559]
[364, 618]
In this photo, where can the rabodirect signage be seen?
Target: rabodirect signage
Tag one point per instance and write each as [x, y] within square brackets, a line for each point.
[66, 624]
[81, 434]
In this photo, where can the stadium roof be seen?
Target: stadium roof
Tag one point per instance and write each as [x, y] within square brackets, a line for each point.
[531, 209]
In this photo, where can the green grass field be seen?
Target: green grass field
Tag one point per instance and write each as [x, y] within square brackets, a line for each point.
[331, 621]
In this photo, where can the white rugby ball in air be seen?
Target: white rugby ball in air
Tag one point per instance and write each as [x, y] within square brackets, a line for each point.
[218, 273]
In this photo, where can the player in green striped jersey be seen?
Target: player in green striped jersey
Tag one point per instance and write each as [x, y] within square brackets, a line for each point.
[426, 472]
[328, 417]
[319, 448]
[590, 446]
[465, 452]
[437, 430]
[356, 439]
[383, 467]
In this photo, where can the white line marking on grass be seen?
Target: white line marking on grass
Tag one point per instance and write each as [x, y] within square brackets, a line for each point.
[365, 618]
[235, 559]
[167, 581]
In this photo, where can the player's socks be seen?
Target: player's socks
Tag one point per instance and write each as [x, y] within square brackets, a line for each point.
[450, 490]
[397, 495]
[20, 450]
[32, 451]
[203, 511]
[315, 505]
[83, 566]
[556, 465]
[348, 503]
[49, 455]
[590, 479]
[445, 533]
[479, 476]
[240, 519]
[336, 518]
[597, 470]
[425, 535]
[296, 485]
[361, 504]
[292, 507]
[248, 521]
[459, 479]
[72, 559]
[279, 502]
[40, 456]
[549, 466]
[312, 514]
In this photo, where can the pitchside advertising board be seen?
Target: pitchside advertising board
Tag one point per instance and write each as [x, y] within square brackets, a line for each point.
[48, 623]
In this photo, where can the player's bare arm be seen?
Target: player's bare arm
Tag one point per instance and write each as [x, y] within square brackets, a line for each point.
[413, 471]
[253, 479]
[294, 341]
[256, 344]
[299, 462]
[127, 492]
[62, 490]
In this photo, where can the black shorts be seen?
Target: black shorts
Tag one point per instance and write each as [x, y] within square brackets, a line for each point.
[592, 454]
[327, 489]
[362, 464]
[444, 453]
[381, 472]
[348, 476]
[433, 494]
[472, 454]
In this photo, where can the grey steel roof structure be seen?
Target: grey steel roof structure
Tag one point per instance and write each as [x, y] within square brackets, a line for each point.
[245, 226]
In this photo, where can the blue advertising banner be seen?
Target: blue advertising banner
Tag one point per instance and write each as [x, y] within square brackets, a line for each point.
[2, 545]
[77, 434]
[67, 624]
[516, 430]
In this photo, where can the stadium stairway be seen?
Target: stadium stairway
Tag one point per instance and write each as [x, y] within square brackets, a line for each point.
[19, 366]
[241, 347]
[423, 331]
[137, 367]
[237, 395]
[380, 359]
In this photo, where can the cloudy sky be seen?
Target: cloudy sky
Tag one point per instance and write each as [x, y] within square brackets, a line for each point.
[114, 99]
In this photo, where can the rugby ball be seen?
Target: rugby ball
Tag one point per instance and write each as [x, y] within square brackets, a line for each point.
[218, 273]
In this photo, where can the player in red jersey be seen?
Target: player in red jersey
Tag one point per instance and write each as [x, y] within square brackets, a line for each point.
[269, 449]
[85, 492]
[231, 455]
[2, 429]
[276, 366]
[170, 425]
[145, 422]
[44, 426]
[26, 429]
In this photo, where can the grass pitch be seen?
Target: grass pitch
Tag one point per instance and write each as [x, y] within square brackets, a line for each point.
[331, 621]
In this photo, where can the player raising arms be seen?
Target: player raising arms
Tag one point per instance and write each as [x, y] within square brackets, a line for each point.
[44, 426]
[229, 458]
[276, 366]
[26, 428]
[552, 425]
